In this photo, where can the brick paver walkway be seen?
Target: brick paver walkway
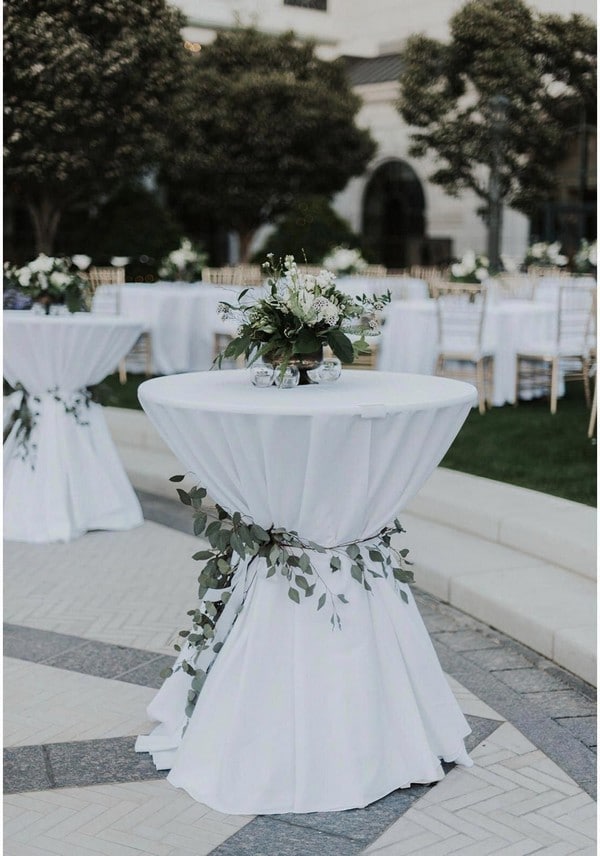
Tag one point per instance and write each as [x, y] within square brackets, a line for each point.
[89, 627]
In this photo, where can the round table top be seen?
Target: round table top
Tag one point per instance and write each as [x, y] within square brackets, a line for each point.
[79, 319]
[356, 392]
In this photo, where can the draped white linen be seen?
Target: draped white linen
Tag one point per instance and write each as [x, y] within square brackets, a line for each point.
[182, 320]
[295, 717]
[409, 336]
[71, 480]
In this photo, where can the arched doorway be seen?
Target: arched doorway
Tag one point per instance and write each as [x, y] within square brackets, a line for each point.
[394, 215]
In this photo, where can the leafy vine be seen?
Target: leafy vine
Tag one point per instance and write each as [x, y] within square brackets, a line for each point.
[234, 540]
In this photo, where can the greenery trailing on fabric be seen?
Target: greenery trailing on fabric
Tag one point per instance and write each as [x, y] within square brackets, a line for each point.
[25, 415]
[236, 542]
[25, 418]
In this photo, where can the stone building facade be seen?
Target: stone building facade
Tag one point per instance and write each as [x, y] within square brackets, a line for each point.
[400, 214]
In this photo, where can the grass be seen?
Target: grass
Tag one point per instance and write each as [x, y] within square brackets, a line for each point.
[529, 447]
[523, 445]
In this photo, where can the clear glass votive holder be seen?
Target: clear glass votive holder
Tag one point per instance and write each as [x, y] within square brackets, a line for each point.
[291, 378]
[329, 370]
[262, 374]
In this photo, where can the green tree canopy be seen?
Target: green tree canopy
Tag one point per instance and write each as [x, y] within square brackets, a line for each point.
[262, 121]
[87, 89]
[544, 65]
[309, 229]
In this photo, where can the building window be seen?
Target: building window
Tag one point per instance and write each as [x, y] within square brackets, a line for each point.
[321, 5]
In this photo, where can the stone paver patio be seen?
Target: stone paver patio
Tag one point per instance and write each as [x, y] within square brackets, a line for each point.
[90, 625]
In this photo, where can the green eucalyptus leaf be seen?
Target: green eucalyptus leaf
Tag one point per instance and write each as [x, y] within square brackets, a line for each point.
[184, 496]
[321, 602]
[177, 478]
[293, 595]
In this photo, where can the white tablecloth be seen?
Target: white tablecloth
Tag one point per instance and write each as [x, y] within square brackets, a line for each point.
[73, 480]
[400, 287]
[295, 717]
[409, 338]
[181, 318]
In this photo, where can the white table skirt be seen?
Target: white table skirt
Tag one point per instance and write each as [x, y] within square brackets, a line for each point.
[409, 338]
[295, 717]
[71, 479]
[181, 318]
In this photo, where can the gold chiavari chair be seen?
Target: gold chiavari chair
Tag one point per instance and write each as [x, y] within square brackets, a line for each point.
[461, 310]
[572, 351]
[107, 301]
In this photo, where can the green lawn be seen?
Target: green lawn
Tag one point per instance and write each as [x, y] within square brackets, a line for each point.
[523, 445]
[527, 446]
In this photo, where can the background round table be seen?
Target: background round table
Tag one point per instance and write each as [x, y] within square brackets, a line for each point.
[409, 338]
[295, 717]
[181, 318]
[71, 479]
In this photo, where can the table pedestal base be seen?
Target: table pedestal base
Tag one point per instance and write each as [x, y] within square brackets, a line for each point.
[297, 717]
[67, 480]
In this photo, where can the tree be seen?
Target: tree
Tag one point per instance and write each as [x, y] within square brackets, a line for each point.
[87, 92]
[542, 66]
[309, 229]
[263, 120]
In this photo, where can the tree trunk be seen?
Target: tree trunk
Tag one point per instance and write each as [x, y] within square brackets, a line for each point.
[45, 216]
[245, 241]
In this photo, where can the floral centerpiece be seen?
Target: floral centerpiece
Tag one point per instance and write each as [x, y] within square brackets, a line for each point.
[543, 254]
[344, 261]
[299, 315]
[183, 264]
[48, 280]
[585, 259]
[472, 268]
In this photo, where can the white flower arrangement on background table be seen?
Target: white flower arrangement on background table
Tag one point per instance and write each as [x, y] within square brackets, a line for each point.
[183, 264]
[544, 254]
[50, 280]
[344, 261]
[472, 268]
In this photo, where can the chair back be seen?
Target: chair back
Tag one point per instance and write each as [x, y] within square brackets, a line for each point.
[241, 275]
[373, 271]
[576, 328]
[516, 286]
[106, 300]
[461, 315]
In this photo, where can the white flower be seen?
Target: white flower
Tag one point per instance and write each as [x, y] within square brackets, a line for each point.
[593, 254]
[43, 263]
[468, 259]
[509, 264]
[305, 299]
[458, 270]
[119, 261]
[24, 276]
[560, 260]
[178, 257]
[43, 280]
[481, 273]
[81, 261]
[59, 279]
[537, 250]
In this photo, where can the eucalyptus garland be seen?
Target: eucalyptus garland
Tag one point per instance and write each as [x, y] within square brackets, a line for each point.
[25, 415]
[235, 542]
